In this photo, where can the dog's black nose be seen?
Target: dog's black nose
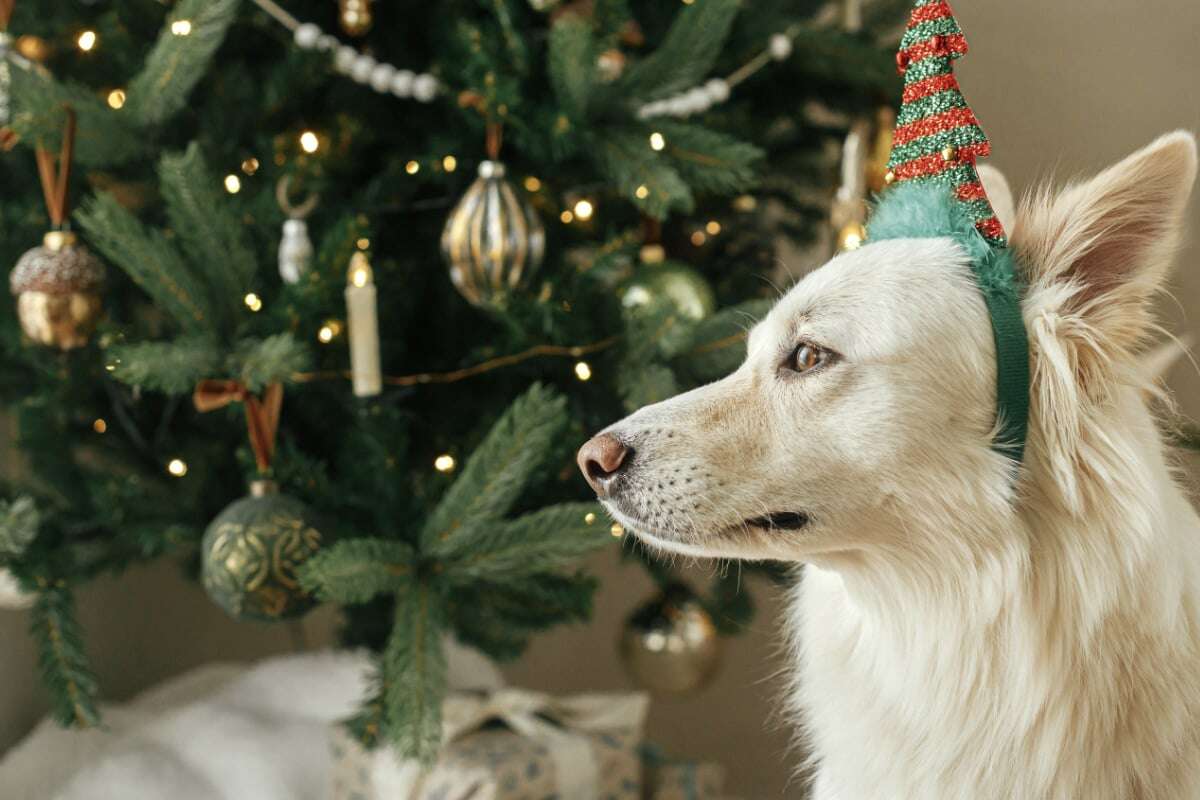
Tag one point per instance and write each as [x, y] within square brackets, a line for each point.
[601, 460]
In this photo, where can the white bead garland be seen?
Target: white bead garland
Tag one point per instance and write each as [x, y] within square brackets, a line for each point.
[716, 90]
[362, 68]
[780, 47]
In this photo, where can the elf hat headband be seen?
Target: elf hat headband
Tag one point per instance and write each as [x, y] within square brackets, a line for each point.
[932, 171]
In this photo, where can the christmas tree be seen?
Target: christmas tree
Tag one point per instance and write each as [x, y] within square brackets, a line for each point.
[330, 295]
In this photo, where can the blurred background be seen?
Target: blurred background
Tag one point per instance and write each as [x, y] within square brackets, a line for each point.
[1063, 89]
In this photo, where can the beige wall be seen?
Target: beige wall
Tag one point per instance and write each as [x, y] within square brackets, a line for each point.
[1062, 88]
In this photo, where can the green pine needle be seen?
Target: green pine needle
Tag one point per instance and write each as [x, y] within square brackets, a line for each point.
[414, 674]
[275, 359]
[686, 55]
[209, 231]
[171, 367]
[497, 471]
[541, 541]
[572, 64]
[356, 570]
[149, 259]
[177, 63]
[62, 660]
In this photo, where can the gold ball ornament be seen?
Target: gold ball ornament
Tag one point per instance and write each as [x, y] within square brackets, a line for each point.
[673, 282]
[355, 16]
[493, 241]
[57, 286]
[251, 553]
[670, 645]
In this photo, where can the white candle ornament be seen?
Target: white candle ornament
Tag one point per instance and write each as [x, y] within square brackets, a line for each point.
[362, 321]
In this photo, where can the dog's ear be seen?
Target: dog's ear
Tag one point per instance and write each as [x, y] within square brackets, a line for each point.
[1107, 243]
[998, 192]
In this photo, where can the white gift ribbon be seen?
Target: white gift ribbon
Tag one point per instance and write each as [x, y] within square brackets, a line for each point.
[554, 722]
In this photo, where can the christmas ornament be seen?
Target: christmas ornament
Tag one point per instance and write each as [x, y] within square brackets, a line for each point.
[493, 241]
[251, 553]
[934, 148]
[295, 248]
[58, 284]
[355, 16]
[362, 319]
[677, 283]
[58, 287]
[363, 68]
[670, 644]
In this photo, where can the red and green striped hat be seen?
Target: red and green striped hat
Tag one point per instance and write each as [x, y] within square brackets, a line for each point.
[934, 149]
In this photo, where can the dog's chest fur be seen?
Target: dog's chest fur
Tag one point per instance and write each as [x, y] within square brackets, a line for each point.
[1030, 677]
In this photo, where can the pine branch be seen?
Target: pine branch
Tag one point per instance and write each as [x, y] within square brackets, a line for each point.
[709, 161]
[541, 541]
[625, 157]
[572, 64]
[104, 137]
[414, 674]
[367, 724]
[19, 521]
[686, 54]
[172, 367]
[498, 469]
[177, 63]
[208, 230]
[148, 258]
[275, 359]
[62, 660]
[356, 570]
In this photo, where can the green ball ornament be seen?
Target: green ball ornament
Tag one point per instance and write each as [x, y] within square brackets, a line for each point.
[672, 282]
[252, 551]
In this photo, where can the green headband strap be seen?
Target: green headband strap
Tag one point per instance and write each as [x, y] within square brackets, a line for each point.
[937, 192]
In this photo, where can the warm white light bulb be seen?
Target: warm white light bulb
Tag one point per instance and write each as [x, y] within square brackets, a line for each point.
[657, 141]
[309, 142]
[177, 467]
[444, 463]
[181, 27]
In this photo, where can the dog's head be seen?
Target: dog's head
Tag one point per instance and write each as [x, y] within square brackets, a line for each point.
[864, 413]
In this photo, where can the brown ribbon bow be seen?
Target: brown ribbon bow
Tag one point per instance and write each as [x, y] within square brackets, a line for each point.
[262, 413]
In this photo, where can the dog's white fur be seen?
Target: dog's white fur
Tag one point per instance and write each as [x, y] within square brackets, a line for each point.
[956, 635]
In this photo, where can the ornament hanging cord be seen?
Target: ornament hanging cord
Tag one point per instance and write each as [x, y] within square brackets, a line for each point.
[55, 177]
[6, 12]
[262, 414]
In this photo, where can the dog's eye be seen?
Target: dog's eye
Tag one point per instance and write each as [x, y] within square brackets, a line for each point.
[807, 357]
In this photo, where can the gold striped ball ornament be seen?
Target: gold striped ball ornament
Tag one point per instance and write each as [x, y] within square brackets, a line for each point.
[252, 551]
[58, 289]
[493, 241]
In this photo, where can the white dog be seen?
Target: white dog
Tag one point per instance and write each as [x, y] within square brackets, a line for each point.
[956, 634]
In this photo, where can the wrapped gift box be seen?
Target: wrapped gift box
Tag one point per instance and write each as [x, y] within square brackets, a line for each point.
[509, 744]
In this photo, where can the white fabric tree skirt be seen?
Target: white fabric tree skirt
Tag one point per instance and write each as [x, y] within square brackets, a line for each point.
[220, 732]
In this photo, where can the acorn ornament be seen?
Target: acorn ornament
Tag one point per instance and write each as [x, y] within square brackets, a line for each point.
[58, 284]
[670, 644]
[493, 241]
[252, 551]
